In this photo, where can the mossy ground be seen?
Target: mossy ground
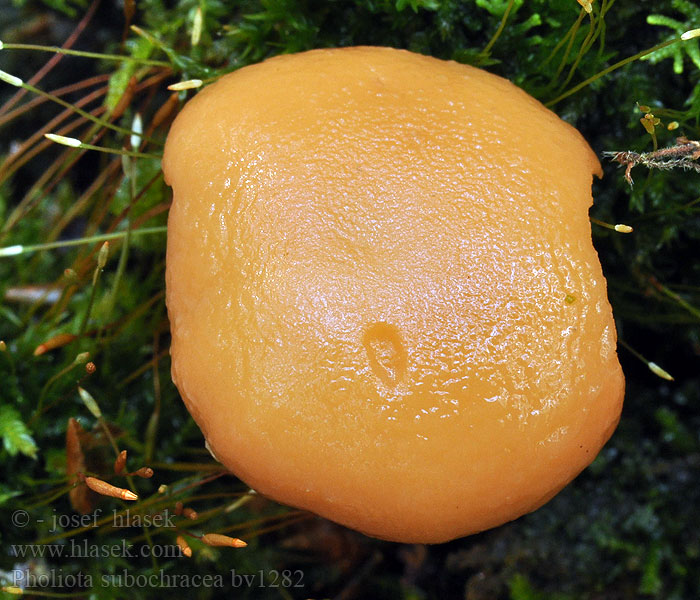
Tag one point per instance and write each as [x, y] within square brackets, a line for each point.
[626, 528]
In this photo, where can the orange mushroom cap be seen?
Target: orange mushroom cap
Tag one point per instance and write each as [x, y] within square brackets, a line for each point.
[385, 304]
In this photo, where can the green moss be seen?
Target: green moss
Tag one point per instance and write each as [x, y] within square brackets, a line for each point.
[624, 529]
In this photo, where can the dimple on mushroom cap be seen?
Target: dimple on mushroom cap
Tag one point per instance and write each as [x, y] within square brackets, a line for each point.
[385, 304]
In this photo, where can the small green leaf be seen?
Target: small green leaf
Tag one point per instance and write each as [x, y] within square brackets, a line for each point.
[521, 589]
[498, 7]
[7, 494]
[675, 51]
[138, 48]
[651, 583]
[415, 5]
[66, 7]
[15, 434]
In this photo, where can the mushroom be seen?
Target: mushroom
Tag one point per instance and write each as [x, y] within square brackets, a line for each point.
[385, 304]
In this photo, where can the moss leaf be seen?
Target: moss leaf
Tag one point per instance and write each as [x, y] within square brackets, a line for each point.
[15, 434]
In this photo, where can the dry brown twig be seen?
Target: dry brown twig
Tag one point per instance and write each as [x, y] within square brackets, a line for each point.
[684, 155]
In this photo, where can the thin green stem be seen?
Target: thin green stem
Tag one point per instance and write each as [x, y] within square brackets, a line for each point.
[47, 498]
[48, 385]
[610, 69]
[37, 191]
[40, 593]
[91, 302]
[10, 360]
[562, 62]
[585, 46]
[652, 366]
[132, 486]
[101, 262]
[632, 351]
[76, 143]
[604, 8]
[240, 502]
[80, 111]
[676, 298]
[152, 427]
[500, 29]
[58, 50]
[560, 43]
[124, 255]
[670, 211]
[21, 249]
[120, 151]
[602, 223]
